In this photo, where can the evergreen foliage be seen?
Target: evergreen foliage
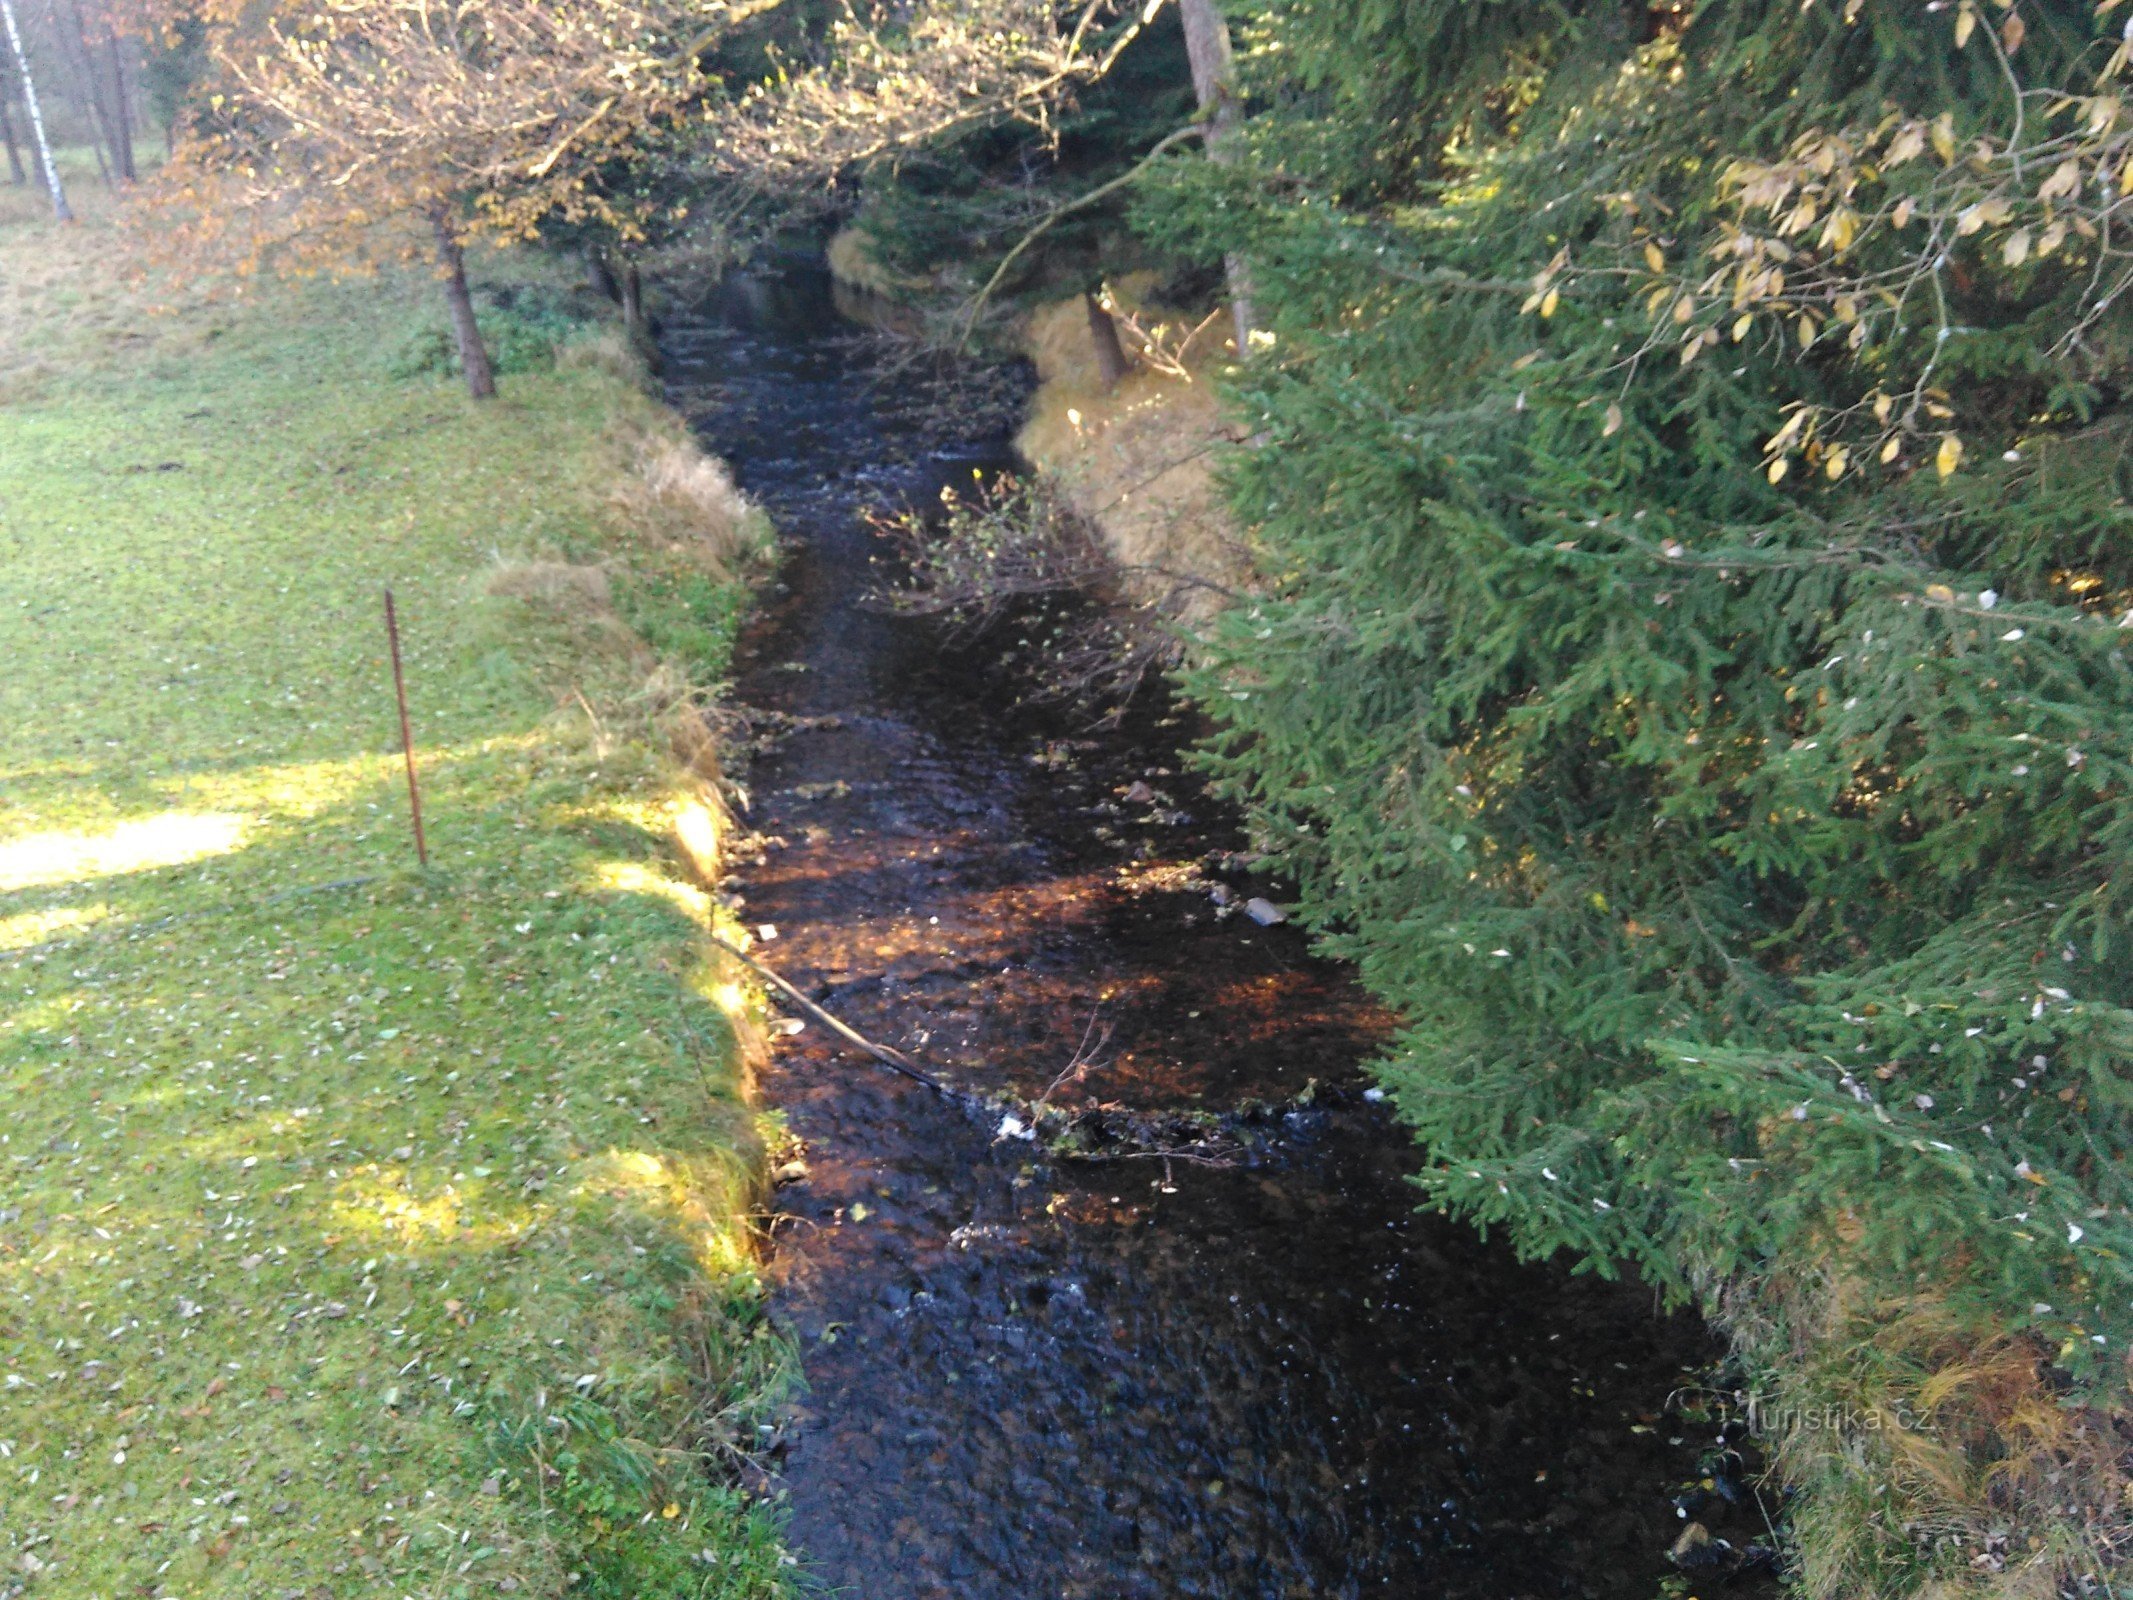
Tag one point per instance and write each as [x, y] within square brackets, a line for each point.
[1689, 679]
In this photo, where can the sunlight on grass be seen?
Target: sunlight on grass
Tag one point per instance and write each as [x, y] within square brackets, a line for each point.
[634, 877]
[24, 928]
[43, 859]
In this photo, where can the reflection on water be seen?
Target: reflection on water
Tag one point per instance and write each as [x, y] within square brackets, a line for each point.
[1139, 1379]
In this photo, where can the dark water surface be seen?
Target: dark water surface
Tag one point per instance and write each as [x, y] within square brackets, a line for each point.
[1035, 1380]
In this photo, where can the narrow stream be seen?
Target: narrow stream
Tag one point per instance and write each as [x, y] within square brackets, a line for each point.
[1029, 1379]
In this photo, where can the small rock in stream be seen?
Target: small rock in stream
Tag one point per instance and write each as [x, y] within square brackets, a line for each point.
[1696, 1551]
[1264, 912]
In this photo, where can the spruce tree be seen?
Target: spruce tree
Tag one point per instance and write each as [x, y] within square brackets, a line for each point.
[1689, 677]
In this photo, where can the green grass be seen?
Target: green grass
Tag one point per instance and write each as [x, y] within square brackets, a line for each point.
[363, 1231]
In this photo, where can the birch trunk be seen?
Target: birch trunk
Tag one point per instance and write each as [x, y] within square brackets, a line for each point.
[60, 208]
[1214, 83]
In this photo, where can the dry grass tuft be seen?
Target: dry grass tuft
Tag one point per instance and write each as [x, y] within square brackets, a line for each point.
[1910, 1435]
[606, 350]
[558, 585]
[690, 497]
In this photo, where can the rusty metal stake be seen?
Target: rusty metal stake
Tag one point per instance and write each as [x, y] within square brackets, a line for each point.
[407, 738]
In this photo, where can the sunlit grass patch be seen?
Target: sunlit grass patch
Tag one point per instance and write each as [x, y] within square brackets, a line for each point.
[363, 1230]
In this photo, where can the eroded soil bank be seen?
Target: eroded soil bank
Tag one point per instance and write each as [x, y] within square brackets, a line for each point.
[1030, 1379]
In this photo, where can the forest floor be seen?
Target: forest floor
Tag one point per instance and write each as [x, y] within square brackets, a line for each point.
[364, 1230]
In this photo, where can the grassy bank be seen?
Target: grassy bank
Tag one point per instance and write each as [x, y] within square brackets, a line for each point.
[363, 1230]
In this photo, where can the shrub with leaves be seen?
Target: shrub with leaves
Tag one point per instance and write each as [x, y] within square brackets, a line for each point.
[1689, 675]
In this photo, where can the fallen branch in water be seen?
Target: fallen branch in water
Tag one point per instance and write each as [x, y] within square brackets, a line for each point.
[894, 1060]
[1101, 1133]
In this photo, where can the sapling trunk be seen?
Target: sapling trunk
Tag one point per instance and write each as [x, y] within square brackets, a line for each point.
[84, 81]
[1111, 363]
[466, 332]
[60, 208]
[600, 275]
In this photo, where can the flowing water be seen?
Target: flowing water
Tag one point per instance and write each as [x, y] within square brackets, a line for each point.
[1029, 1378]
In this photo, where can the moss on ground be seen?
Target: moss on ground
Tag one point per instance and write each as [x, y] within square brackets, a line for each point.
[363, 1230]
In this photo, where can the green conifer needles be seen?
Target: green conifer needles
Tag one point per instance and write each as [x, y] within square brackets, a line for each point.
[1690, 676]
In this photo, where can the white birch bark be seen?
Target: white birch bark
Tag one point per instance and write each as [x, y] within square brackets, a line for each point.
[60, 208]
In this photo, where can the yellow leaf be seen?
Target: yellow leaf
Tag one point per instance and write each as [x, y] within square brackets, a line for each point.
[1901, 216]
[1807, 330]
[2016, 250]
[1949, 456]
[1613, 424]
[1888, 450]
[1833, 463]
[1942, 132]
[1883, 405]
[1777, 469]
[1741, 325]
[2065, 180]
[1684, 308]
[1965, 24]
[2012, 32]
[1910, 141]
[1654, 257]
[1549, 302]
[671, 1512]
[1940, 592]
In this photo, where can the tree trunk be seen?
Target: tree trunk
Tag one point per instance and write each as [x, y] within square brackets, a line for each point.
[60, 209]
[633, 319]
[1111, 364]
[121, 109]
[7, 132]
[87, 87]
[600, 274]
[1214, 82]
[466, 332]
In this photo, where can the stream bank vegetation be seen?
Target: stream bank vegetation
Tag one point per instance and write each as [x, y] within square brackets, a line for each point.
[363, 1229]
